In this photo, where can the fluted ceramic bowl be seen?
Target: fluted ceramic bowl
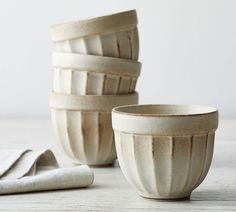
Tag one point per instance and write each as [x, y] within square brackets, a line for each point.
[82, 125]
[165, 151]
[114, 35]
[93, 75]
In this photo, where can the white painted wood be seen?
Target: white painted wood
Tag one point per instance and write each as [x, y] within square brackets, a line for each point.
[111, 192]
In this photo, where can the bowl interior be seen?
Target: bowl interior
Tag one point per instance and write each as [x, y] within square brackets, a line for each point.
[165, 110]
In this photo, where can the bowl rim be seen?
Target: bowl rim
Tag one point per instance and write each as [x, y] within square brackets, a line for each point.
[90, 102]
[189, 124]
[92, 26]
[94, 63]
[118, 110]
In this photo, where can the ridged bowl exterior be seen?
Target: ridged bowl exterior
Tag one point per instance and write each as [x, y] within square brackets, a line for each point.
[81, 74]
[85, 136]
[114, 35]
[120, 44]
[165, 151]
[83, 127]
[164, 167]
[69, 81]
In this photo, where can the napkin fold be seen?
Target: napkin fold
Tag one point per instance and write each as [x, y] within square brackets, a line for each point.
[27, 170]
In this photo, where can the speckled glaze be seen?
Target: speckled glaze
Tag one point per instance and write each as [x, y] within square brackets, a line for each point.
[93, 75]
[114, 35]
[82, 125]
[165, 151]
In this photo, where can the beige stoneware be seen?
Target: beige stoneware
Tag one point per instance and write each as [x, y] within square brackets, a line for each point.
[114, 35]
[88, 74]
[82, 125]
[165, 151]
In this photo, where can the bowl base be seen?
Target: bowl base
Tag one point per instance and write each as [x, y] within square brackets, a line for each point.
[167, 198]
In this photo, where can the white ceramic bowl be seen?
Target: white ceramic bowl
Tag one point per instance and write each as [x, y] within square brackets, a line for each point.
[114, 35]
[165, 151]
[82, 125]
[88, 74]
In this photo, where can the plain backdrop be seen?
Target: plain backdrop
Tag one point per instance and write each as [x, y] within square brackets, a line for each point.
[188, 51]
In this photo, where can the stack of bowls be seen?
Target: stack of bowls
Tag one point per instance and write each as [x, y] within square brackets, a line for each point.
[95, 69]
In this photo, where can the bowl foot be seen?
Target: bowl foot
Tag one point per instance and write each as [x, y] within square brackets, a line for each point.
[167, 198]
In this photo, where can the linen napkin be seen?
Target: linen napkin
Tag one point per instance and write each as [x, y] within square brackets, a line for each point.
[27, 170]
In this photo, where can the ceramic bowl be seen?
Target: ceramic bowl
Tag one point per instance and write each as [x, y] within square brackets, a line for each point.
[114, 35]
[82, 125]
[88, 74]
[165, 151]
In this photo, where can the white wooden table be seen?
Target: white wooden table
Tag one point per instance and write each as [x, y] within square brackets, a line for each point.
[110, 191]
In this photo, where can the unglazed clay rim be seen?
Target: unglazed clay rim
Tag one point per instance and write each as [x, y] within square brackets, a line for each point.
[164, 124]
[98, 25]
[108, 65]
[91, 102]
[118, 110]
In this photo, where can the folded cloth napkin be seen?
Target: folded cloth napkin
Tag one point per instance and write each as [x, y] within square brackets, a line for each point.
[27, 170]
